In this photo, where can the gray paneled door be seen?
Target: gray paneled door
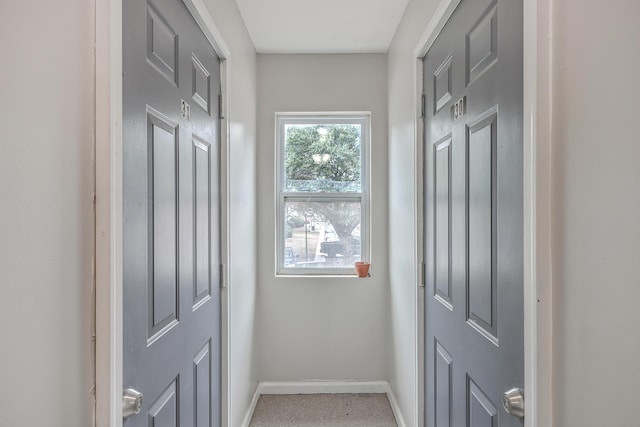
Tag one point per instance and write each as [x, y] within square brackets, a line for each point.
[171, 210]
[474, 349]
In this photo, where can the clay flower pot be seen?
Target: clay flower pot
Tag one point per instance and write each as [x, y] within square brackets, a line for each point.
[362, 268]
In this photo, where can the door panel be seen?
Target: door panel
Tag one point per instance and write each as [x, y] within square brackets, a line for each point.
[162, 223]
[473, 216]
[443, 381]
[200, 84]
[164, 411]
[202, 387]
[202, 208]
[162, 45]
[442, 229]
[482, 44]
[442, 84]
[482, 413]
[171, 210]
[481, 282]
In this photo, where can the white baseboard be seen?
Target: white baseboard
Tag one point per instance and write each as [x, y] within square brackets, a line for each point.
[395, 408]
[251, 408]
[324, 387]
[318, 387]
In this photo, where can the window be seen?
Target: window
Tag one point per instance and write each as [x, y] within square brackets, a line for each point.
[323, 193]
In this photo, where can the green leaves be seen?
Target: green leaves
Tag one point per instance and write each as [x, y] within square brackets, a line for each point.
[325, 158]
[322, 158]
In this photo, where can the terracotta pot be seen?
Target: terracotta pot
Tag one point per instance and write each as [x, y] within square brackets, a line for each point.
[362, 268]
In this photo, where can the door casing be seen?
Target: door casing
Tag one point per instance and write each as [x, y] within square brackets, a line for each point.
[107, 303]
[537, 241]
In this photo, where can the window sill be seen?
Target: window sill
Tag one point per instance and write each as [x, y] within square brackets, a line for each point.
[321, 276]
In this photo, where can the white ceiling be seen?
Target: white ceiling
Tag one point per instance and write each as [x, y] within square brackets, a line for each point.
[321, 26]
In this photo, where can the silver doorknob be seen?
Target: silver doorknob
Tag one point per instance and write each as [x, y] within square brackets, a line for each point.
[513, 402]
[131, 402]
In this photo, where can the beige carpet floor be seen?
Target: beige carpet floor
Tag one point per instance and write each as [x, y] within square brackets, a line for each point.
[323, 410]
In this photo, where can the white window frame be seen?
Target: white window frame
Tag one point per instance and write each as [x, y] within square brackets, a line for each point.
[358, 118]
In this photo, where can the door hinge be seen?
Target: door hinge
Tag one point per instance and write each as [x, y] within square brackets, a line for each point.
[222, 278]
[423, 274]
[423, 104]
[221, 106]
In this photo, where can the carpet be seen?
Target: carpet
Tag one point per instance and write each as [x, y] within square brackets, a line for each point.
[323, 410]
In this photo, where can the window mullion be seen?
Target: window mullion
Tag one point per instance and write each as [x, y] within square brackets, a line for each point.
[322, 196]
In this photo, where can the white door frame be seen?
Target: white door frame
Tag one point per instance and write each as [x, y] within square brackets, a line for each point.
[108, 206]
[536, 159]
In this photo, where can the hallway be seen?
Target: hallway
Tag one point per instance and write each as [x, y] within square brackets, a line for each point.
[61, 224]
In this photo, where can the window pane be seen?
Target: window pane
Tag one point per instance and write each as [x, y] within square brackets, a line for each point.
[322, 157]
[322, 234]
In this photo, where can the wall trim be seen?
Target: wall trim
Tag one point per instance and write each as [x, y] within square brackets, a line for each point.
[537, 83]
[225, 232]
[397, 413]
[537, 112]
[201, 14]
[324, 387]
[108, 207]
[251, 408]
[418, 242]
[440, 17]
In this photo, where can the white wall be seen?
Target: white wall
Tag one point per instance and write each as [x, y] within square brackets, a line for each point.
[596, 212]
[322, 328]
[241, 291]
[403, 223]
[46, 221]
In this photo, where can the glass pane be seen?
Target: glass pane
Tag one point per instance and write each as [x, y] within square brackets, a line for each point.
[322, 234]
[322, 157]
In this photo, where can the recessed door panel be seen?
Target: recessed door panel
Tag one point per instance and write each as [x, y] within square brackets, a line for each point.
[164, 411]
[443, 386]
[482, 44]
[202, 387]
[162, 173]
[480, 411]
[202, 209]
[200, 84]
[442, 84]
[442, 230]
[481, 282]
[162, 45]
